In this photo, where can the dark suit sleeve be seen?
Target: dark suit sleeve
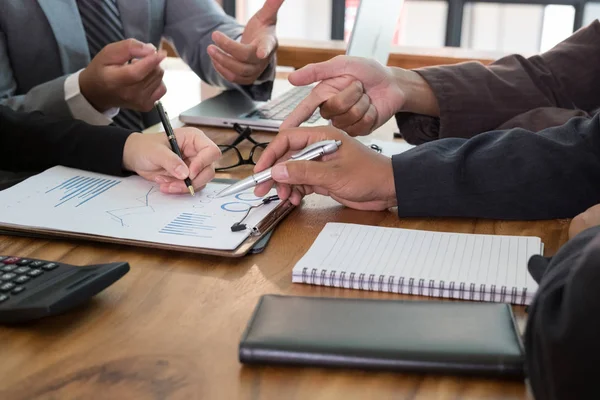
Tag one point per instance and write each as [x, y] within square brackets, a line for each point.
[562, 337]
[514, 174]
[33, 142]
[474, 98]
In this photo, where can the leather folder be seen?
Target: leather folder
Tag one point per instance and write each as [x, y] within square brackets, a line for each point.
[444, 337]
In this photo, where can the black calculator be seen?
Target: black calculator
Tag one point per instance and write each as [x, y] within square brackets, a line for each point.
[32, 289]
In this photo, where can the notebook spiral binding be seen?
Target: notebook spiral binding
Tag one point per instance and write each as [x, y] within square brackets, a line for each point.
[452, 289]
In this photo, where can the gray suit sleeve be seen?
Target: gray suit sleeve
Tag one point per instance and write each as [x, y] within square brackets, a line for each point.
[189, 25]
[48, 97]
[514, 174]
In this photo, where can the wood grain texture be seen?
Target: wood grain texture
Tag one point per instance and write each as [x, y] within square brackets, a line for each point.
[298, 53]
[170, 328]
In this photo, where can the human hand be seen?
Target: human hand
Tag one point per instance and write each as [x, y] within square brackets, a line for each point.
[150, 156]
[244, 62]
[111, 81]
[587, 219]
[354, 175]
[357, 94]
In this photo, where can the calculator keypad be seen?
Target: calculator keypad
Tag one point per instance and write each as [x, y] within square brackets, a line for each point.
[22, 279]
[6, 287]
[21, 270]
[18, 290]
[15, 272]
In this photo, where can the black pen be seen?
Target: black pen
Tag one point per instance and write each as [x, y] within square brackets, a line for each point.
[172, 140]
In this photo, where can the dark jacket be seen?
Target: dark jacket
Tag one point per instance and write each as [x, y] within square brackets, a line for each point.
[512, 174]
[563, 329]
[33, 142]
[531, 93]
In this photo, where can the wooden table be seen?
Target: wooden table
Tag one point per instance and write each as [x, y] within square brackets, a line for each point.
[298, 53]
[170, 328]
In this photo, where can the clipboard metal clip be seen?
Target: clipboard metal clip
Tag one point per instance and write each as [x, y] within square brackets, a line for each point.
[240, 226]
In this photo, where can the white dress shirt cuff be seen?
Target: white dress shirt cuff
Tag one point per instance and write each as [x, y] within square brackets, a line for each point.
[81, 108]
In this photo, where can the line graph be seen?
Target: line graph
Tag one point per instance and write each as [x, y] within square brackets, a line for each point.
[189, 224]
[82, 189]
[145, 207]
[249, 196]
[246, 200]
[235, 206]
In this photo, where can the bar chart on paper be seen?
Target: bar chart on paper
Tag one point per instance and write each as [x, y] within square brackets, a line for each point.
[69, 200]
[78, 190]
[189, 224]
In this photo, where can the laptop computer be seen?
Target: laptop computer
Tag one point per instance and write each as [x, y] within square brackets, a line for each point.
[371, 38]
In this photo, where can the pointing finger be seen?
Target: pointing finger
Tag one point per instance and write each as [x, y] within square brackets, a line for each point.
[305, 108]
[312, 73]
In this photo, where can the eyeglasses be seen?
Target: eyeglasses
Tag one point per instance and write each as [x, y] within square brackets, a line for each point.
[231, 156]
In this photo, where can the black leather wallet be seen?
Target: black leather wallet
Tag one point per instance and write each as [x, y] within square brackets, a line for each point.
[419, 336]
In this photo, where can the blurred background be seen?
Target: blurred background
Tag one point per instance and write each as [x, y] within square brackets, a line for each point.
[502, 25]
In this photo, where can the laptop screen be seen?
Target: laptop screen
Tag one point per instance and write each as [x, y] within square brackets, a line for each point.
[374, 29]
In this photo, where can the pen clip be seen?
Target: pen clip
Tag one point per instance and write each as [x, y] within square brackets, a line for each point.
[312, 147]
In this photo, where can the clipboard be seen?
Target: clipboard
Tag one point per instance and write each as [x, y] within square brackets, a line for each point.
[261, 231]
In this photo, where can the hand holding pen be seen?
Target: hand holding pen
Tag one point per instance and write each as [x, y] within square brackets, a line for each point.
[354, 175]
[164, 118]
[152, 157]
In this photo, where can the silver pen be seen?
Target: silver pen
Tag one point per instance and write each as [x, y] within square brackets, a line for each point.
[310, 152]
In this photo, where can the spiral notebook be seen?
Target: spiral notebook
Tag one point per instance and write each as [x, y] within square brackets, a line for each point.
[437, 264]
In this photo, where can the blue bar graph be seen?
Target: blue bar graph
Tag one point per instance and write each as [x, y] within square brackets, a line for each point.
[189, 224]
[81, 189]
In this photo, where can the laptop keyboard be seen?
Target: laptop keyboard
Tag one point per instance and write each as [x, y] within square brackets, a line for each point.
[280, 107]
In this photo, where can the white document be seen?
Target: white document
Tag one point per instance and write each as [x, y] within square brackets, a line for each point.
[388, 148]
[71, 200]
[438, 264]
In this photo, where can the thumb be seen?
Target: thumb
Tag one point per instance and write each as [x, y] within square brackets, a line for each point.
[265, 45]
[312, 73]
[170, 162]
[125, 50]
[314, 173]
[268, 13]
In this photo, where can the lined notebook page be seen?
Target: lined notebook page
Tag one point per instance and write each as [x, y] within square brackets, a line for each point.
[439, 264]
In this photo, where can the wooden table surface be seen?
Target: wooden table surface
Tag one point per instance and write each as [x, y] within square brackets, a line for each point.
[170, 328]
[299, 52]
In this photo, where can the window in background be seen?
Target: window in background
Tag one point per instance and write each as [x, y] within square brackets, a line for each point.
[590, 13]
[421, 23]
[558, 25]
[502, 27]
[510, 28]
[297, 19]
[515, 28]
